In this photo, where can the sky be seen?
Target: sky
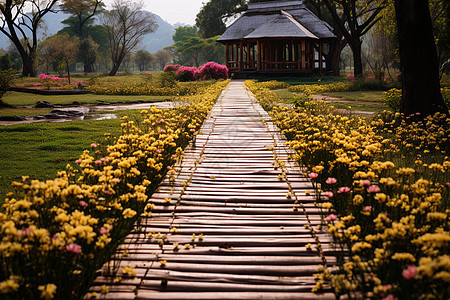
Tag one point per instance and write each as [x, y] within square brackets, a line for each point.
[173, 11]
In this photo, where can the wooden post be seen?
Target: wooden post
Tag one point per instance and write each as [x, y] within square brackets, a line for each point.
[240, 56]
[247, 65]
[258, 56]
[227, 55]
[303, 54]
[320, 56]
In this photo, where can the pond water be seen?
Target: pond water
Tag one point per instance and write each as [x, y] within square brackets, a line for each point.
[67, 114]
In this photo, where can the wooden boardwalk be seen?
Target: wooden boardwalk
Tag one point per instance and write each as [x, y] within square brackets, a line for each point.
[238, 224]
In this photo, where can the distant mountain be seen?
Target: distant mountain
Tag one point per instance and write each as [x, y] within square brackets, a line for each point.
[152, 42]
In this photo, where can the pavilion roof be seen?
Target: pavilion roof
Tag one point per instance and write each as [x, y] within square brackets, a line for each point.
[277, 19]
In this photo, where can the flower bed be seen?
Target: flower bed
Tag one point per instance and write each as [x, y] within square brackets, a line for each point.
[146, 88]
[383, 185]
[48, 82]
[56, 234]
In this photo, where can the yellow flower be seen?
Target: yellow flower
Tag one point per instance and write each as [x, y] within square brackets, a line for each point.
[47, 291]
[128, 213]
[9, 286]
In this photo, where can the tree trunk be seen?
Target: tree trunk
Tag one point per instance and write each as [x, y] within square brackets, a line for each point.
[114, 69]
[357, 58]
[334, 56]
[88, 68]
[418, 59]
[68, 71]
[27, 67]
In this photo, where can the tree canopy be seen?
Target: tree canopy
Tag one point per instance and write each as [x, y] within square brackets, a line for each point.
[126, 23]
[20, 21]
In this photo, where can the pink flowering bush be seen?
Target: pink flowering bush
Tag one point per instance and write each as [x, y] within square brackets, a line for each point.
[212, 70]
[187, 74]
[172, 68]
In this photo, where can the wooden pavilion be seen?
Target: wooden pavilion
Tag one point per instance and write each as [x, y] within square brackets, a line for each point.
[277, 38]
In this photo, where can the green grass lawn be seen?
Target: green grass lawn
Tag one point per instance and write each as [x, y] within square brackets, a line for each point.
[360, 107]
[25, 99]
[367, 96]
[24, 112]
[41, 149]
[308, 80]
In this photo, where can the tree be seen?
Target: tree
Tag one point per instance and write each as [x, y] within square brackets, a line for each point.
[5, 62]
[62, 48]
[142, 59]
[182, 33]
[20, 21]
[333, 56]
[210, 19]
[440, 17]
[88, 53]
[83, 11]
[80, 23]
[126, 23]
[418, 59]
[163, 56]
[355, 18]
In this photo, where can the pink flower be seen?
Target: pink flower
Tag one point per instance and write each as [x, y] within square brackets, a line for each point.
[390, 297]
[98, 162]
[107, 192]
[94, 145]
[331, 217]
[116, 180]
[103, 230]
[373, 189]
[169, 168]
[313, 175]
[329, 194]
[78, 161]
[331, 180]
[162, 131]
[343, 189]
[192, 130]
[105, 160]
[82, 203]
[365, 182]
[162, 121]
[174, 156]
[74, 248]
[158, 151]
[447, 184]
[368, 208]
[410, 272]
[25, 231]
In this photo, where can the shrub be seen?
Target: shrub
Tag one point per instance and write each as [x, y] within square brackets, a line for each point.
[167, 79]
[273, 85]
[172, 68]
[212, 70]
[187, 74]
[6, 78]
[392, 99]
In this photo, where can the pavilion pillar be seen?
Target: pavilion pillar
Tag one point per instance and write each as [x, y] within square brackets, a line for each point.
[227, 55]
[258, 55]
[320, 56]
[303, 54]
[241, 55]
[247, 65]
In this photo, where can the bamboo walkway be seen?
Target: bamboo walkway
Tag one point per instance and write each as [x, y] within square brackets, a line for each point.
[230, 231]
